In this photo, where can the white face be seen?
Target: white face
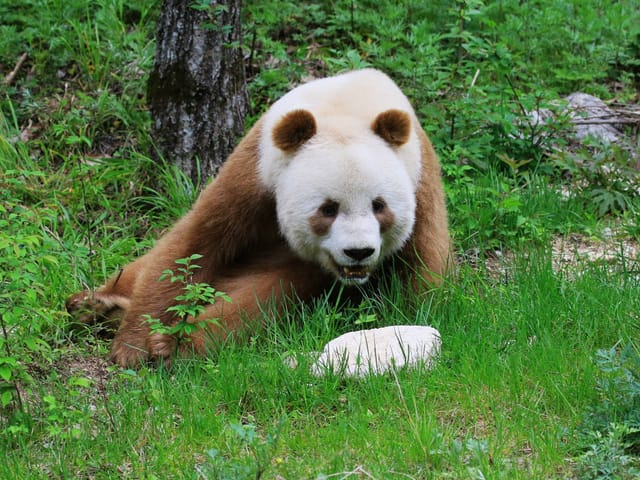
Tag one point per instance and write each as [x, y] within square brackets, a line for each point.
[346, 207]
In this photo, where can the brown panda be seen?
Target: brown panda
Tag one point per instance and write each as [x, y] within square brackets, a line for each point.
[336, 179]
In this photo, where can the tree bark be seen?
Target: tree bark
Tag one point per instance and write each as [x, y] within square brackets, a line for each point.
[197, 91]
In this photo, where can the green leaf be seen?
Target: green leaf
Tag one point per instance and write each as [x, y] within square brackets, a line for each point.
[6, 397]
[362, 319]
[5, 372]
[79, 382]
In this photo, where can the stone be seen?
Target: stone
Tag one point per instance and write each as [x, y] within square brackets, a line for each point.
[592, 118]
[376, 351]
[588, 116]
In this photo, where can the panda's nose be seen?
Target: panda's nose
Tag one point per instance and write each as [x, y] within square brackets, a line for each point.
[358, 254]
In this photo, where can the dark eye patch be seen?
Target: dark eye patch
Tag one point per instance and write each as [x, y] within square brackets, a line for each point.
[329, 209]
[383, 213]
[322, 220]
[378, 205]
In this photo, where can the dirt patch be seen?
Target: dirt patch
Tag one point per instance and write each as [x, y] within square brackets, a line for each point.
[575, 250]
[96, 369]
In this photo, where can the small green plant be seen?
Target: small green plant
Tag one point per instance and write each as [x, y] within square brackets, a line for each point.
[190, 304]
[604, 174]
[497, 211]
[25, 254]
[262, 452]
[60, 417]
[611, 429]
[606, 456]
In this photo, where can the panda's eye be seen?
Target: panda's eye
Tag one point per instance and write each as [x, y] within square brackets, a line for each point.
[329, 209]
[378, 205]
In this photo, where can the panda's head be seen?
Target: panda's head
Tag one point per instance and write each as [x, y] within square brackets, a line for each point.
[345, 192]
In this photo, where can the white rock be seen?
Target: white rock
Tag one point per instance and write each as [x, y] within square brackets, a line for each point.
[590, 116]
[375, 351]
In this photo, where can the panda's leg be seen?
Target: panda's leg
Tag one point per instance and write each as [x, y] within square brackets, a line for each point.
[251, 289]
[235, 211]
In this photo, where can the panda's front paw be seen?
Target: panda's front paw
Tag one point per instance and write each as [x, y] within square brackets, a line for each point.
[128, 353]
[161, 348]
[95, 309]
[86, 307]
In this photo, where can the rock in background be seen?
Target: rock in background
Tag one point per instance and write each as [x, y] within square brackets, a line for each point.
[591, 118]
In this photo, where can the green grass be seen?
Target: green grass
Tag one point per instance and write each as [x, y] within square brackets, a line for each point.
[515, 378]
[538, 376]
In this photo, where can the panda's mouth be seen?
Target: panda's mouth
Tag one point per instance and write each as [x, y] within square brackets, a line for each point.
[353, 273]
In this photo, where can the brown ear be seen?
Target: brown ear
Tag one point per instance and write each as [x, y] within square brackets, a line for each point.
[293, 130]
[393, 126]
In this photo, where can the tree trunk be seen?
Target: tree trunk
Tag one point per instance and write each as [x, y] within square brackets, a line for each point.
[197, 92]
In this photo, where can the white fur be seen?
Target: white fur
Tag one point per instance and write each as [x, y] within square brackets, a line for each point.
[352, 175]
[345, 161]
[344, 107]
[376, 351]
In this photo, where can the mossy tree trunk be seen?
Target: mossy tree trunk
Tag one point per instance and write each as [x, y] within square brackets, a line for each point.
[197, 91]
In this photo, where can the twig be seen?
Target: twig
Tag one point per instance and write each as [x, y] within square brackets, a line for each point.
[606, 122]
[614, 115]
[592, 117]
[357, 471]
[475, 78]
[103, 391]
[8, 80]
[627, 110]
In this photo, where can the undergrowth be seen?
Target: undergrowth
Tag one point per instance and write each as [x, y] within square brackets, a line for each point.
[610, 434]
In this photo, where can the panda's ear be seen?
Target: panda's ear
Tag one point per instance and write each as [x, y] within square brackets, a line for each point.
[293, 130]
[393, 126]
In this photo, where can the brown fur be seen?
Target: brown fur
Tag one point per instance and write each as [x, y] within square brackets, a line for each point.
[428, 252]
[321, 221]
[293, 130]
[394, 126]
[384, 215]
[233, 225]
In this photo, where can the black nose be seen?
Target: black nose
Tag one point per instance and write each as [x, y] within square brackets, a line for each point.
[358, 254]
